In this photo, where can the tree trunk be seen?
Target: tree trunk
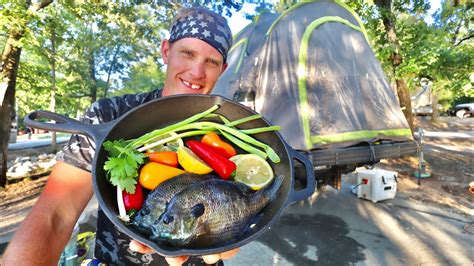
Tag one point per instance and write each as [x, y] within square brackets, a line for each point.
[385, 8]
[93, 86]
[405, 101]
[434, 104]
[53, 84]
[112, 66]
[10, 62]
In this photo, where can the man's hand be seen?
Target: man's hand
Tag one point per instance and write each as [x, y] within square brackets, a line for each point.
[175, 261]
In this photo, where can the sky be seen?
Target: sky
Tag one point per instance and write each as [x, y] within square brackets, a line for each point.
[237, 21]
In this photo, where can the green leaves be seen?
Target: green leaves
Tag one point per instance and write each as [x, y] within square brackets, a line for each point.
[432, 48]
[122, 164]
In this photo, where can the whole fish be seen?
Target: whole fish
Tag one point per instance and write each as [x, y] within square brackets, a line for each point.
[157, 199]
[211, 212]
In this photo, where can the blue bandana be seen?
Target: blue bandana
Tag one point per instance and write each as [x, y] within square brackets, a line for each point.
[203, 24]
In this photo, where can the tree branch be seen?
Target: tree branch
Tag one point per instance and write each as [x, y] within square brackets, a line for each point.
[40, 5]
[463, 39]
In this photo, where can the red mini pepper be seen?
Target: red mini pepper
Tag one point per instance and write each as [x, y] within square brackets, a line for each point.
[224, 167]
[133, 201]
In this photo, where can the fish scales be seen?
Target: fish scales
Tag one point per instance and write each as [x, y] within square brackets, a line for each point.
[157, 199]
[211, 212]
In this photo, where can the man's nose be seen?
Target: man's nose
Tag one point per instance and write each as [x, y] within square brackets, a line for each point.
[198, 70]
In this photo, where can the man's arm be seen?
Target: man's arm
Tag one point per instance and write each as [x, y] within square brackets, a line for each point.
[46, 230]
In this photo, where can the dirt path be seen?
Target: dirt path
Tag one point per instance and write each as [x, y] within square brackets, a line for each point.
[450, 162]
[15, 203]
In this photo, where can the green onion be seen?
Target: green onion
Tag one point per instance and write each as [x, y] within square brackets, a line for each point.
[260, 129]
[177, 136]
[155, 133]
[243, 120]
[244, 146]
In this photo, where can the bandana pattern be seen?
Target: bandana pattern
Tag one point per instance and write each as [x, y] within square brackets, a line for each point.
[205, 25]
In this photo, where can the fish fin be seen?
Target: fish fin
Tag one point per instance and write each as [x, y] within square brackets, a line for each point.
[271, 191]
[244, 188]
[198, 210]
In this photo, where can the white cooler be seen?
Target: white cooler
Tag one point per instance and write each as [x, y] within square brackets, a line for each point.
[376, 184]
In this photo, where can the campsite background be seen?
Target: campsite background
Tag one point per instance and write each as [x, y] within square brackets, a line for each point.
[63, 55]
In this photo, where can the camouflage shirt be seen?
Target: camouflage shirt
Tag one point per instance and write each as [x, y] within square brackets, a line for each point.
[111, 245]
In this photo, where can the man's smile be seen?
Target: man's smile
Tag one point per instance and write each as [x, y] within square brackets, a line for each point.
[191, 85]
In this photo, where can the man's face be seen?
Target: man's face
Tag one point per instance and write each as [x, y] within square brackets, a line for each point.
[193, 66]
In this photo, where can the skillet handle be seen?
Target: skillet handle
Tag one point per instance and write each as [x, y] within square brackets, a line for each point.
[67, 125]
[305, 193]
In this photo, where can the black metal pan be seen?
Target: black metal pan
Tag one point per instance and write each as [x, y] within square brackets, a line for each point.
[169, 110]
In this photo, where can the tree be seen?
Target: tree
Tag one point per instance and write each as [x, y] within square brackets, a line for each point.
[51, 28]
[440, 53]
[143, 76]
[454, 64]
[396, 58]
[77, 52]
[19, 14]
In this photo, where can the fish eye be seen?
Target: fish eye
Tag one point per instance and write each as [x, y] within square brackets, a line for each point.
[167, 219]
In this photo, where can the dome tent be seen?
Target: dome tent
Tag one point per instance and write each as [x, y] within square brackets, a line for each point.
[314, 73]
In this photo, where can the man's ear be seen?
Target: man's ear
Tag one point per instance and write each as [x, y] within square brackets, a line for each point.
[165, 50]
[224, 67]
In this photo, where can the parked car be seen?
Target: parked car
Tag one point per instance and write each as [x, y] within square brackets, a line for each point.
[464, 110]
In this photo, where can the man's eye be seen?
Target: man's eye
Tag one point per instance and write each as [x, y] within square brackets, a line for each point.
[213, 63]
[187, 53]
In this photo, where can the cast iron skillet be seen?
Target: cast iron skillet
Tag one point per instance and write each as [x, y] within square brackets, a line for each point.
[169, 110]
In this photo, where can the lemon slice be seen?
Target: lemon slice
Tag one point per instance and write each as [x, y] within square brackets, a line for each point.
[253, 170]
[168, 146]
[191, 162]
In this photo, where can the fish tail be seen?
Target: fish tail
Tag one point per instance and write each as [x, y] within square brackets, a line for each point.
[272, 190]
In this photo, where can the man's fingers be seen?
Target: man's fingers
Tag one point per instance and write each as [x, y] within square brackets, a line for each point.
[229, 254]
[176, 261]
[211, 259]
[139, 247]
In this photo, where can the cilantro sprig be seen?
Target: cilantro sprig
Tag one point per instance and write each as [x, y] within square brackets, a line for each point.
[122, 164]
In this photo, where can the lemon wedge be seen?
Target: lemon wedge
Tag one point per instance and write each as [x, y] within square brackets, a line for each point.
[191, 162]
[253, 171]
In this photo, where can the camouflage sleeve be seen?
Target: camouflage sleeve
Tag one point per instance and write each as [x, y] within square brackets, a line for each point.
[80, 150]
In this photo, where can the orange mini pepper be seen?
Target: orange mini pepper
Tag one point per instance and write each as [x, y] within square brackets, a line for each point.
[152, 174]
[169, 158]
[224, 148]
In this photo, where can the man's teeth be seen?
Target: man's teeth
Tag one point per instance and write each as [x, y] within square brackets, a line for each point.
[193, 86]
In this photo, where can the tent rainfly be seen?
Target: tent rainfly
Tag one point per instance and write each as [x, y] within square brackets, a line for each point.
[313, 73]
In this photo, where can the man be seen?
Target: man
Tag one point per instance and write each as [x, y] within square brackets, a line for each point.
[195, 55]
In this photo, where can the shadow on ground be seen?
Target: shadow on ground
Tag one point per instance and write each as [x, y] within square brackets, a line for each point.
[317, 238]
